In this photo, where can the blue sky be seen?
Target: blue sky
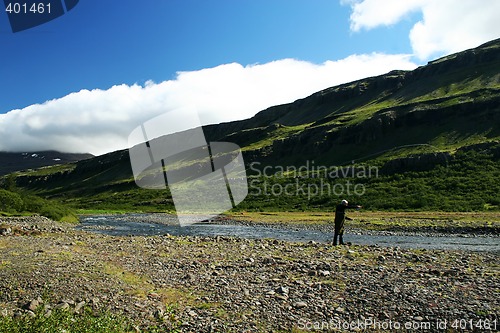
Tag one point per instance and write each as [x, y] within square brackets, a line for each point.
[105, 49]
[100, 44]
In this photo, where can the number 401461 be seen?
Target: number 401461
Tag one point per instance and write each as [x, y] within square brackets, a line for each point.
[23, 8]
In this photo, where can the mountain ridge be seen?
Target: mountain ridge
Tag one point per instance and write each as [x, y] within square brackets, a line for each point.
[449, 89]
[19, 161]
[484, 53]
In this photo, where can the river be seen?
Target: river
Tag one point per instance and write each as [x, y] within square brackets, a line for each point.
[122, 225]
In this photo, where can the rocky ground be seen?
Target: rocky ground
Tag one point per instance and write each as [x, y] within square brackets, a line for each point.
[201, 284]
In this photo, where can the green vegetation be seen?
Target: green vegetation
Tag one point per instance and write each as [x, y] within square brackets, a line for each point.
[130, 199]
[65, 321]
[467, 182]
[464, 181]
[14, 201]
[275, 133]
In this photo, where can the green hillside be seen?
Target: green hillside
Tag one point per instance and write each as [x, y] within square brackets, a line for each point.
[429, 137]
[449, 103]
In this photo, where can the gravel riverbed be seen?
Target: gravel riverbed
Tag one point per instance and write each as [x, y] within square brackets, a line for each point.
[206, 284]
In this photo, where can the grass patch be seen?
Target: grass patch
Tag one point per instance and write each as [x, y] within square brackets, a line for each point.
[176, 296]
[5, 263]
[139, 285]
[269, 135]
[49, 170]
[376, 220]
[283, 217]
[65, 321]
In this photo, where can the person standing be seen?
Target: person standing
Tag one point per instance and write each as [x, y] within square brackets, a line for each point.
[339, 221]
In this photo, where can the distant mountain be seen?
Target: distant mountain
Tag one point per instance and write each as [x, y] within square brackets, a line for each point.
[10, 162]
[446, 112]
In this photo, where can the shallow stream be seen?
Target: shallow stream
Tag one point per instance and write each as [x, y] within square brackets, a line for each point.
[123, 225]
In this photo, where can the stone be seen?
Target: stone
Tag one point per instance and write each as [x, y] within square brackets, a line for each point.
[282, 290]
[5, 231]
[33, 304]
[79, 306]
[62, 306]
[299, 305]
[269, 261]
[188, 276]
[324, 273]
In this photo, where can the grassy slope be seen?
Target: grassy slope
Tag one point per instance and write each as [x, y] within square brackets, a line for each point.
[414, 91]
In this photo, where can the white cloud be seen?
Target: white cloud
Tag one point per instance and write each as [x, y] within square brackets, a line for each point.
[447, 26]
[369, 14]
[99, 121]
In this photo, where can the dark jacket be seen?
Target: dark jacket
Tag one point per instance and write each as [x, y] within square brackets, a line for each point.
[340, 216]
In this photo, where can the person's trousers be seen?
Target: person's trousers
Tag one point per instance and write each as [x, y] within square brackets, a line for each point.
[338, 233]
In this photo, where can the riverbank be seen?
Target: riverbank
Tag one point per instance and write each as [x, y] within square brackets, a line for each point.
[162, 224]
[476, 223]
[197, 284]
[362, 223]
